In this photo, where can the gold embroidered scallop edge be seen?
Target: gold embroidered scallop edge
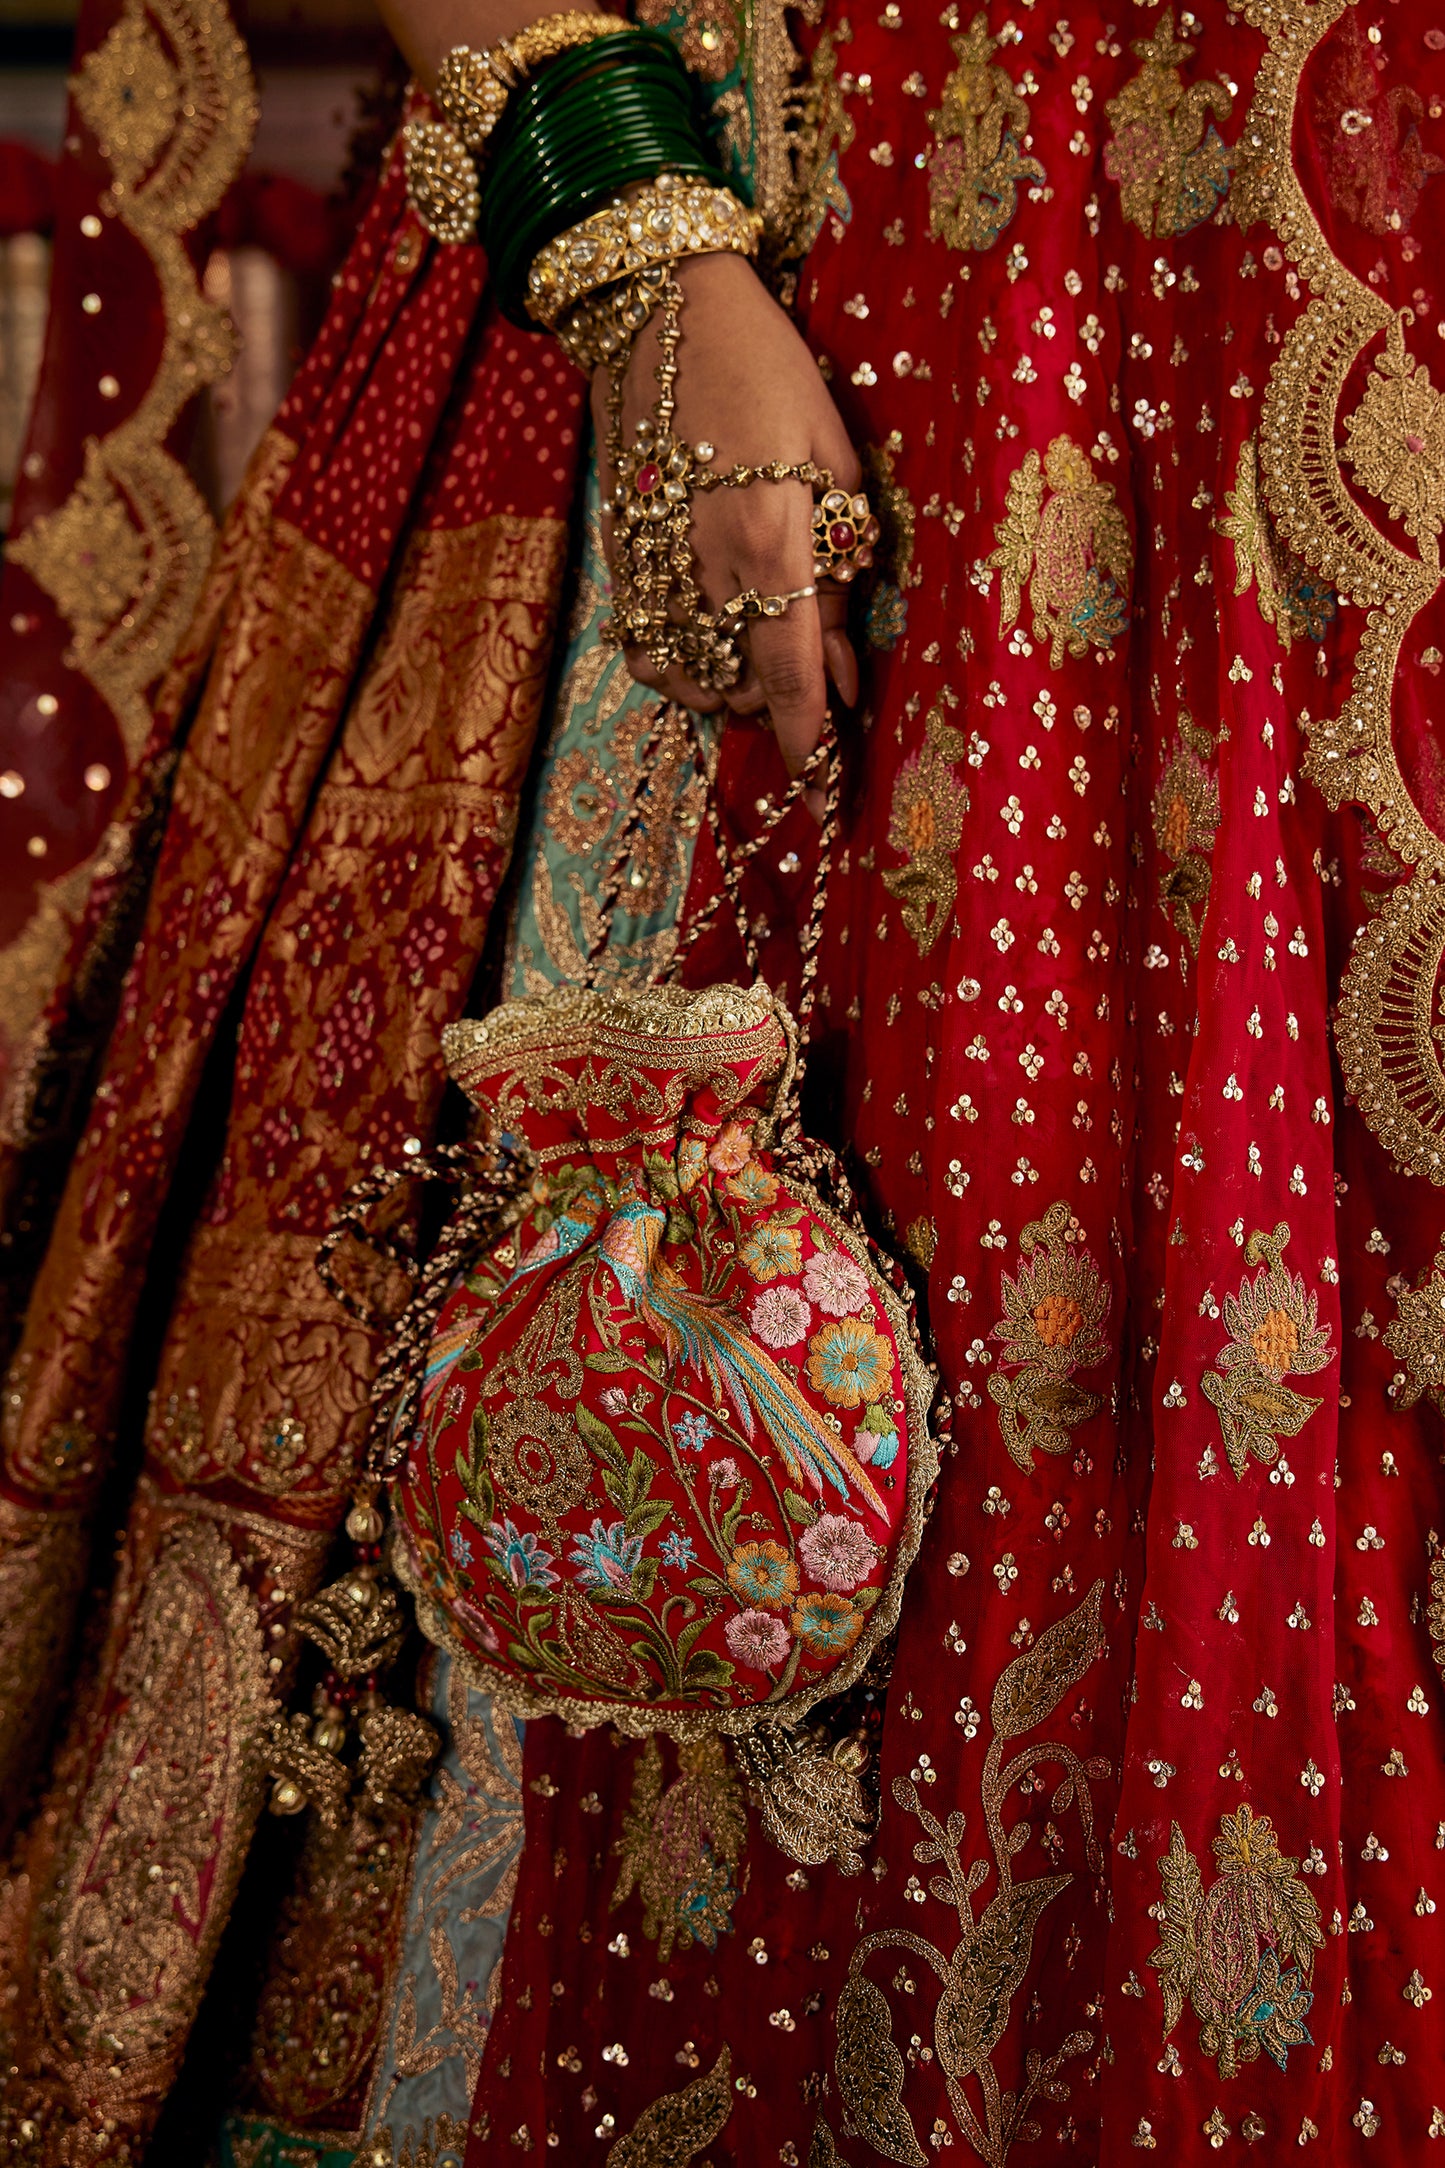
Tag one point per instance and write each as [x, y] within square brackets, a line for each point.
[923, 1465]
[1391, 1065]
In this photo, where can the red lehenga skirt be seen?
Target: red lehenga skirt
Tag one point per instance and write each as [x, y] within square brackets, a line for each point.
[1129, 1033]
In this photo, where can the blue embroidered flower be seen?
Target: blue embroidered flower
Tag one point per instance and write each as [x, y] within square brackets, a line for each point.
[693, 1431]
[459, 1547]
[522, 1560]
[607, 1557]
[678, 1552]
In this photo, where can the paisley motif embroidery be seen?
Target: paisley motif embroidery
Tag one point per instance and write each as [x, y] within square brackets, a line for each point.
[978, 162]
[1242, 1951]
[680, 1847]
[826, 134]
[1186, 816]
[1166, 154]
[1286, 594]
[1055, 1308]
[1274, 1334]
[675, 2128]
[1376, 164]
[1064, 537]
[930, 799]
[979, 1978]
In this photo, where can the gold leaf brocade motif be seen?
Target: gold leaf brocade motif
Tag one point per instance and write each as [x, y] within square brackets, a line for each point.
[978, 163]
[680, 1845]
[1055, 1307]
[930, 799]
[979, 1978]
[1064, 537]
[1275, 1334]
[1242, 1951]
[1186, 816]
[1165, 153]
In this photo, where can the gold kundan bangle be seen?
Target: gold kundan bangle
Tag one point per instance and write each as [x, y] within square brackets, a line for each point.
[471, 96]
[664, 221]
[473, 88]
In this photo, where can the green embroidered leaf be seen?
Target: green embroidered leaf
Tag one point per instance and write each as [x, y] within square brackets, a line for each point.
[646, 1519]
[610, 1359]
[865, 1598]
[595, 1433]
[687, 1637]
[798, 1509]
[644, 1574]
[703, 1668]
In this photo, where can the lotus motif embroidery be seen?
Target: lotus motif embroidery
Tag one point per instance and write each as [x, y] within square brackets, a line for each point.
[1274, 1334]
[1054, 1309]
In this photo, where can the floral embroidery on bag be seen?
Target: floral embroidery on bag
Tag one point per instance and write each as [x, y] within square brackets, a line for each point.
[680, 1846]
[978, 1980]
[930, 799]
[1274, 1334]
[1055, 1308]
[978, 162]
[1166, 154]
[1064, 537]
[1186, 816]
[1242, 1951]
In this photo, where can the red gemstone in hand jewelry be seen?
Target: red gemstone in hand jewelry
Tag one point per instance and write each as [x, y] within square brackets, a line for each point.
[649, 480]
[841, 534]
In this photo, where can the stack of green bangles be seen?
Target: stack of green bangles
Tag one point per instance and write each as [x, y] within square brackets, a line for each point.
[619, 110]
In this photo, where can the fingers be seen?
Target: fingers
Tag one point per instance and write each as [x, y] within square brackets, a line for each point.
[673, 684]
[838, 655]
[787, 655]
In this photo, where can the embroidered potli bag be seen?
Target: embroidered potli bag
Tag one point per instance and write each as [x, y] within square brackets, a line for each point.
[656, 1424]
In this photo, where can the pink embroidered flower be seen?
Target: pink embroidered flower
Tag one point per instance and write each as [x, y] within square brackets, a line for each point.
[724, 1473]
[835, 1282]
[614, 1400]
[836, 1552]
[733, 1149]
[780, 1318]
[757, 1639]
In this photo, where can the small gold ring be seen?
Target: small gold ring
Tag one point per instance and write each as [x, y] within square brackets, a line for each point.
[751, 604]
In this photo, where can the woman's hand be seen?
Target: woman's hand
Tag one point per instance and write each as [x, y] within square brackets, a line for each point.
[749, 386]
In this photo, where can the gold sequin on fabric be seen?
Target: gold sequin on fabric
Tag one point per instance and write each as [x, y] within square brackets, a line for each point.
[978, 163]
[984, 1971]
[1390, 440]
[1242, 1951]
[674, 2130]
[1064, 538]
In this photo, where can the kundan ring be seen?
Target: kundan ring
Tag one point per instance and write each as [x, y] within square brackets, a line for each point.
[844, 532]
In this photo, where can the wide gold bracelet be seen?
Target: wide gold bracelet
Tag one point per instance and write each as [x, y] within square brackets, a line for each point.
[473, 88]
[664, 221]
[471, 96]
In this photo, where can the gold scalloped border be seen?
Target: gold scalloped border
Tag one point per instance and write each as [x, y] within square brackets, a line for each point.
[1391, 1066]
